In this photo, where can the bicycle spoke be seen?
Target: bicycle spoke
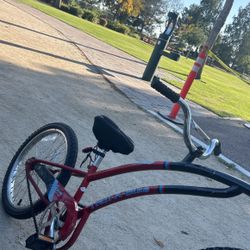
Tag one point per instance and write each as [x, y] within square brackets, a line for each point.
[56, 152]
[20, 190]
[53, 150]
[49, 149]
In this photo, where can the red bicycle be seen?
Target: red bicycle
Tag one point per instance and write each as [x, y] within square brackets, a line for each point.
[35, 186]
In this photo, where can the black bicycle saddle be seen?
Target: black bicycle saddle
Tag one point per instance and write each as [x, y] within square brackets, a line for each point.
[110, 136]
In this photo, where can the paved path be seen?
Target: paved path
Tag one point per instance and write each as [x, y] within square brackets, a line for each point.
[125, 72]
[44, 78]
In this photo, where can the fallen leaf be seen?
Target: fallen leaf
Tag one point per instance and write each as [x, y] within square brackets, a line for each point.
[159, 243]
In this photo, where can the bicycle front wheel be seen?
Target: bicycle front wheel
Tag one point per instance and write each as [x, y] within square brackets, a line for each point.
[55, 142]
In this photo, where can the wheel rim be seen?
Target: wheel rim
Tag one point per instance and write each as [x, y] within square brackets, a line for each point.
[50, 145]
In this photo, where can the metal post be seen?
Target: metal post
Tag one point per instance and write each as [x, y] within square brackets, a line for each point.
[160, 46]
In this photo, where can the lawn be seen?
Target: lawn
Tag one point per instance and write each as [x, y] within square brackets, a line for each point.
[223, 93]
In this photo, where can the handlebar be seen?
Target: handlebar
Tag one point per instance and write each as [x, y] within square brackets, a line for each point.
[164, 90]
[214, 144]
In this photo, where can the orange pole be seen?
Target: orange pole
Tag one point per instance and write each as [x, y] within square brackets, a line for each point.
[198, 63]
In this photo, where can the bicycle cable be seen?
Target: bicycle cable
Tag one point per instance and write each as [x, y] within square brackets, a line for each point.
[32, 206]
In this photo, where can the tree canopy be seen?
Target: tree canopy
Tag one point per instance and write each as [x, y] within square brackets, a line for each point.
[198, 20]
[143, 15]
[124, 8]
[234, 46]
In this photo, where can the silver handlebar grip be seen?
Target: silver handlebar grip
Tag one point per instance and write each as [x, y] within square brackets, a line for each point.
[210, 149]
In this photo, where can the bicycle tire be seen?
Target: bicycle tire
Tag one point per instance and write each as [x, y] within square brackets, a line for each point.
[43, 135]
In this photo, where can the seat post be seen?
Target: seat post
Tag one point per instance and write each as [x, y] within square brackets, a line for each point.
[99, 157]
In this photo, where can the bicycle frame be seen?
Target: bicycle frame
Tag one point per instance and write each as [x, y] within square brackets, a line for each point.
[235, 186]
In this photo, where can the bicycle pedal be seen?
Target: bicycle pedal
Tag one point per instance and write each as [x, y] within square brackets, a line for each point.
[39, 242]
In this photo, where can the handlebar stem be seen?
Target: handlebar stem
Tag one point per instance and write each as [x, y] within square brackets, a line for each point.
[187, 132]
[187, 125]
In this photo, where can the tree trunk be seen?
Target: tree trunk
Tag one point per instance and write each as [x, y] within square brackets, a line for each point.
[141, 30]
[188, 52]
[216, 30]
[57, 3]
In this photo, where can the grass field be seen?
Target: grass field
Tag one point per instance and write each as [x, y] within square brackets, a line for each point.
[223, 93]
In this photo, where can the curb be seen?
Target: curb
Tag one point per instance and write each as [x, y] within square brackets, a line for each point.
[221, 157]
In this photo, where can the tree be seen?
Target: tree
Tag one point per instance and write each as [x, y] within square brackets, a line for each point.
[57, 3]
[242, 59]
[193, 35]
[223, 50]
[197, 21]
[129, 8]
[203, 15]
[216, 30]
[209, 12]
[89, 3]
[122, 9]
[237, 36]
[151, 13]
[191, 15]
[233, 46]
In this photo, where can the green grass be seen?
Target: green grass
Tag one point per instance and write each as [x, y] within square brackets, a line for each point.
[223, 93]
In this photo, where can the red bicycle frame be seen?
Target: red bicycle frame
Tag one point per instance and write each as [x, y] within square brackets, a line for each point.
[235, 187]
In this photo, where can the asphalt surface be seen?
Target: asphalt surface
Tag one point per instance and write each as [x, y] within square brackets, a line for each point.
[125, 72]
[45, 78]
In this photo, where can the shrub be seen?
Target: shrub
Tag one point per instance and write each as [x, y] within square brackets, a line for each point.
[90, 15]
[56, 3]
[135, 35]
[75, 10]
[64, 8]
[114, 25]
[103, 22]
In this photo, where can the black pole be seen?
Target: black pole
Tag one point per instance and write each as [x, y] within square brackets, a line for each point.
[160, 46]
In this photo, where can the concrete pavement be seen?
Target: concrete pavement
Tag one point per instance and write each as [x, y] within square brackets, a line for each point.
[125, 71]
[45, 78]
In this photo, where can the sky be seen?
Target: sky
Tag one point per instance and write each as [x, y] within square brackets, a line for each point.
[234, 11]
